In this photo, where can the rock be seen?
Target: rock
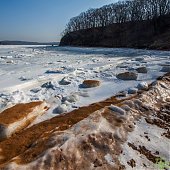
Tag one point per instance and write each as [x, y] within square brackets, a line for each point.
[61, 109]
[165, 69]
[65, 81]
[132, 163]
[54, 71]
[3, 132]
[7, 57]
[67, 103]
[142, 86]
[96, 136]
[72, 98]
[50, 85]
[132, 91]
[127, 76]
[139, 59]
[121, 94]
[60, 70]
[122, 66]
[126, 108]
[168, 99]
[35, 90]
[22, 78]
[131, 69]
[10, 62]
[19, 117]
[117, 110]
[167, 62]
[90, 83]
[142, 70]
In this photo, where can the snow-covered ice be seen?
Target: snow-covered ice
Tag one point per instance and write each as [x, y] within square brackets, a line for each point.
[54, 74]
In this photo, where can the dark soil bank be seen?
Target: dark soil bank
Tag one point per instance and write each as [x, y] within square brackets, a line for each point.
[150, 34]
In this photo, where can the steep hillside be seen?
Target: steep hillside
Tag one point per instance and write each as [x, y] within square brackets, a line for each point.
[151, 34]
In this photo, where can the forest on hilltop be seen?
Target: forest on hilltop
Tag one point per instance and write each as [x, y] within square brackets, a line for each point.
[120, 12]
[131, 24]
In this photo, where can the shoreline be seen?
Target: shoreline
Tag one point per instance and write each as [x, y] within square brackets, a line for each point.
[64, 124]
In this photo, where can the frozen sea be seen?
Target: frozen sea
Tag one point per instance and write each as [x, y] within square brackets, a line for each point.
[33, 73]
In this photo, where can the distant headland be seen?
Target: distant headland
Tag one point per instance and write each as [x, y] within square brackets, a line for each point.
[132, 24]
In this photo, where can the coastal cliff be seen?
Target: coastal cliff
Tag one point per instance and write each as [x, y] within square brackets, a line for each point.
[150, 34]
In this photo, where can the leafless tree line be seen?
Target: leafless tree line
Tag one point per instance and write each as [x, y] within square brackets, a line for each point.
[120, 12]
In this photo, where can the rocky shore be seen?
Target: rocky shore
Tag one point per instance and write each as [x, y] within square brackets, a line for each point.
[118, 133]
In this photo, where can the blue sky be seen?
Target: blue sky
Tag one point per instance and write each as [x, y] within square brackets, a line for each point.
[40, 20]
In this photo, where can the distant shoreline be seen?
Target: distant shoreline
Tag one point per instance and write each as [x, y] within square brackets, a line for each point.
[27, 43]
[137, 48]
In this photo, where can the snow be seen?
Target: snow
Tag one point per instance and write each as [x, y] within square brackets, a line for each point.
[109, 159]
[142, 86]
[137, 137]
[132, 90]
[104, 137]
[61, 109]
[118, 110]
[13, 127]
[54, 74]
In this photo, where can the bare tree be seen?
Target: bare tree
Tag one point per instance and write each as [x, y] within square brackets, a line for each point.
[120, 12]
